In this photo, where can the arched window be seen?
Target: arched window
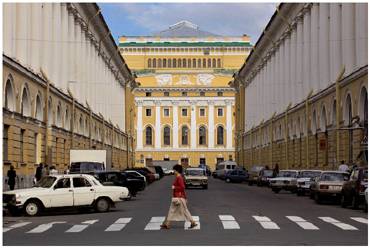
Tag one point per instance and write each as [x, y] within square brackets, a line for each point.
[81, 126]
[148, 136]
[213, 63]
[363, 107]
[39, 113]
[323, 119]
[202, 136]
[169, 63]
[194, 63]
[149, 63]
[167, 136]
[204, 63]
[26, 103]
[334, 113]
[9, 102]
[199, 63]
[87, 127]
[164, 63]
[59, 116]
[348, 111]
[314, 122]
[67, 120]
[50, 112]
[299, 128]
[218, 63]
[209, 63]
[174, 63]
[220, 135]
[179, 63]
[154, 63]
[184, 135]
[159, 63]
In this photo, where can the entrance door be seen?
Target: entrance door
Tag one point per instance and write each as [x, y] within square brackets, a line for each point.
[202, 161]
[185, 162]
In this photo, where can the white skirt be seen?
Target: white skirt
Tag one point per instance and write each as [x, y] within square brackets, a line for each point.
[179, 211]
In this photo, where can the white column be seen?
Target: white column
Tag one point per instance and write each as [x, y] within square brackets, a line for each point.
[299, 61]
[193, 127]
[71, 45]
[280, 100]
[139, 126]
[273, 84]
[158, 133]
[348, 37]
[175, 125]
[293, 66]
[335, 40]
[21, 32]
[361, 34]
[315, 47]
[229, 131]
[324, 62]
[306, 54]
[36, 25]
[79, 61]
[288, 86]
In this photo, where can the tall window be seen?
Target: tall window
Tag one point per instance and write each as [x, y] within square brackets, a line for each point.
[26, 103]
[218, 63]
[167, 136]
[179, 63]
[149, 63]
[169, 63]
[189, 63]
[9, 96]
[148, 136]
[199, 63]
[154, 63]
[213, 63]
[159, 63]
[164, 63]
[174, 63]
[220, 135]
[204, 63]
[194, 63]
[209, 63]
[5, 142]
[202, 135]
[184, 135]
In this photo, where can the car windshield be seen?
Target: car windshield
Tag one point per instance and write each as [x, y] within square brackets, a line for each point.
[268, 173]
[287, 174]
[46, 182]
[334, 177]
[309, 174]
[194, 172]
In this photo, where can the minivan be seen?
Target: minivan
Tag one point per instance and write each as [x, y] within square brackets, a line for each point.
[223, 167]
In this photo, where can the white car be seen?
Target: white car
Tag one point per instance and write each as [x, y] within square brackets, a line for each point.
[305, 179]
[73, 190]
[286, 179]
[135, 173]
[196, 177]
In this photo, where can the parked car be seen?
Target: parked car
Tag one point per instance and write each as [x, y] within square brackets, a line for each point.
[366, 201]
[353, 191]
[328, 185]
[223, 167]
[158, 170]
[254, 173]
[264, 177]
[72, 190]
[305, 179]
[196, 177]
[286, 180]
[150, 177]
[123, 179]
[135, 174]
[168, 171]
[86, 167]
[206, 168]
[236, 176]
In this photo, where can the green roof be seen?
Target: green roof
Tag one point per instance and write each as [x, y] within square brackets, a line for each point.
[184, 44]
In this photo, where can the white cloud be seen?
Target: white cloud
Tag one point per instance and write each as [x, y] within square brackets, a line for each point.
[218, 18]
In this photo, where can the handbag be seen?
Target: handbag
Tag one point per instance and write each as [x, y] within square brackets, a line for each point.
[176, 201]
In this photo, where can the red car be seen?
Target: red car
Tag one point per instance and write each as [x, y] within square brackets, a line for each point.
[146, 172]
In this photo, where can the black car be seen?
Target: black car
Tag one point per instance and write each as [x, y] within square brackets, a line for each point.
[158, 169]
[117, 178]
[236, 176]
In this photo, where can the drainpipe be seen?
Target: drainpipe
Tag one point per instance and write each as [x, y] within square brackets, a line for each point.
[48, 153]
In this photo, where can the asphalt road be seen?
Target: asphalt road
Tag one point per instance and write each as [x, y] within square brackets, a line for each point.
[257, 216]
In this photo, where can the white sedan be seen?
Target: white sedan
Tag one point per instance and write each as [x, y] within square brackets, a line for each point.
[75, 190]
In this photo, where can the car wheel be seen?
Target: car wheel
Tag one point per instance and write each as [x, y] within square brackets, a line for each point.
[317, 198]
[228, 180]
[102, 205]
[32, 208]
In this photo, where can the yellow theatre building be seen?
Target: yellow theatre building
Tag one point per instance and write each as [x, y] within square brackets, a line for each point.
[184, 108]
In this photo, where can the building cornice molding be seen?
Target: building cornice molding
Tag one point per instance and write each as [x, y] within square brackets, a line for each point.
[183, 89]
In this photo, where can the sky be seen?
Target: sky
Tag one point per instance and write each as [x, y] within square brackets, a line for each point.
[135, 19]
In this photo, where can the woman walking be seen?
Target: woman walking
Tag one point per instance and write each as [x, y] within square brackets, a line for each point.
[178, 209]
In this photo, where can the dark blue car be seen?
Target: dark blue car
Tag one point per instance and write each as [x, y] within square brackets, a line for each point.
[236, 176]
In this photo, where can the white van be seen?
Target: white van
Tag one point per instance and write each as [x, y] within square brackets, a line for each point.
[223, 167]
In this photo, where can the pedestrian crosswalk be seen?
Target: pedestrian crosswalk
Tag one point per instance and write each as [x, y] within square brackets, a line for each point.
[227, 222]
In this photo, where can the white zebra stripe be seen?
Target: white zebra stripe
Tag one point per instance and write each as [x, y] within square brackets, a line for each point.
[17, 225]
[303, 223]
[118, 225]
[266, 222]
[44, 227]
[228, 222]
[360, 219]
[337, 223]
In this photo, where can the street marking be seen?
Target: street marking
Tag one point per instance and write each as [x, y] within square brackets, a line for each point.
[155, 223]
[44, 227]
[266, 222]
[303, 223]
[228, 222]
[17, 225]
[187, 224]
[80, 228]
[360, 219]
[118, 225]
[337, 223]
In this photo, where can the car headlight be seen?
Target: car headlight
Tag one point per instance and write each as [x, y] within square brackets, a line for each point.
[17, 196]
